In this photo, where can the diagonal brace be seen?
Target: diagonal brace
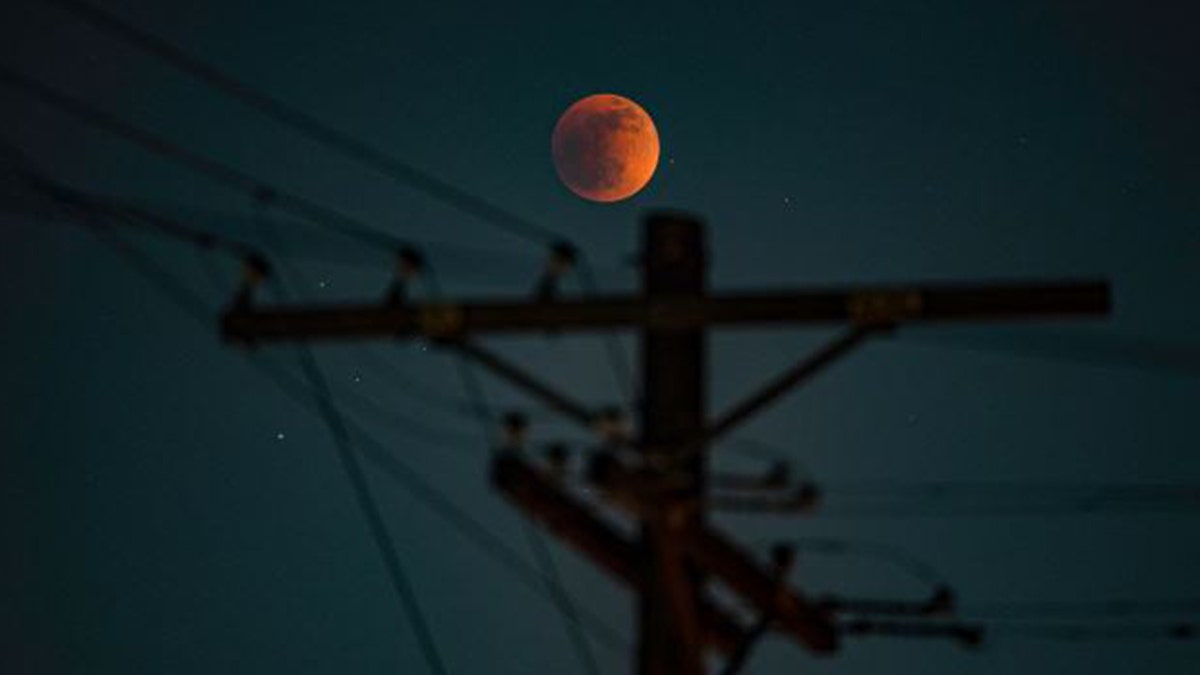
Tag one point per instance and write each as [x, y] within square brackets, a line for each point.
[807, 367]
[556, 400]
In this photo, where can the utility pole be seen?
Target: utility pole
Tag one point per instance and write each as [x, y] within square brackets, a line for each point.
[673, 414]
[657, 475]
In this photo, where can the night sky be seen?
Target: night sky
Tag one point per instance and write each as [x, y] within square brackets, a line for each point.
[167, 509]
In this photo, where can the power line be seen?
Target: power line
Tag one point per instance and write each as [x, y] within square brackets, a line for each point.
[617, 360]
[910, 564]
[138, 217]
[562, 599]
[306, 124]
[402, 474]
[370, 509]
[125, 214]
[341, 142]
[548, 569]
[996, 489]
[1091, 632]
[261, 191]
[1115, 608]
[218, 172]
[998, 498]
[990, 511]
[1095, 350]
[566, 605]
[227, 175]
[542, 554]
[346, 455]
[473, 530]
[368, 505]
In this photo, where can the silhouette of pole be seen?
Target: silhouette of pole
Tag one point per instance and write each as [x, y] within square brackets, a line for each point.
[657, 477]
[674, 395]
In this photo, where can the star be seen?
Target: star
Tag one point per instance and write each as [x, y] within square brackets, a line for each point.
[279, 436]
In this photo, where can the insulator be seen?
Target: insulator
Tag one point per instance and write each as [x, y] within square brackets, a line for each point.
[611, 426]
[806, 498]
[409, 265]
[265, 195]
[777, 476]
[557, 455]
[783, 556]
[563, 256]
[1183, 631]
[255, 270]
[601, 468]
[970, 636]
[942, 602]
[515, 430]
[560, 261]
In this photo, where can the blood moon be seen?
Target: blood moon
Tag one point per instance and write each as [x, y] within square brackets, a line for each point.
[605, 148]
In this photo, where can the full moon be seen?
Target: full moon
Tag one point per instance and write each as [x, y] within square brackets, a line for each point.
[605, 148]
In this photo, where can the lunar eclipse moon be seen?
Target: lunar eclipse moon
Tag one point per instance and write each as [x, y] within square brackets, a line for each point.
[605, 148]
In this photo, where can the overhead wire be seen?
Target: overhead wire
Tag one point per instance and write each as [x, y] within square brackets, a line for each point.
[543, 556]
[370, 508]
[140, 218]
[1089, 632]
[615, 353]
[348, 458]
[401, 474]
[1120, 608]
[203, 243]
[311, 211]
[979, 498]
[1014, 498]
[473, 530]
[224, 174]
[1101, 350]
[918, 569]
[198, 69]
[306, 123]
[343, 143]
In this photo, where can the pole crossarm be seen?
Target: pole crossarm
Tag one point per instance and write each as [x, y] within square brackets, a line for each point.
[540, 497]
[857, 305]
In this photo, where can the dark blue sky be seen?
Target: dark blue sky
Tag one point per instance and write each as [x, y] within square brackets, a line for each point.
[167, 510]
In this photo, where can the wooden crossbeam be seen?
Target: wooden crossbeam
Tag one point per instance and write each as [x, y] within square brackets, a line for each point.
[862, 305]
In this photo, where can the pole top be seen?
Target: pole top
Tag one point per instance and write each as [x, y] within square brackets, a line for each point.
[671, 223]
[674, 245]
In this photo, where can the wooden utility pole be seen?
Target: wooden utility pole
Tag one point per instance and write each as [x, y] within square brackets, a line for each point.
[673, 414]
[658, 474]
